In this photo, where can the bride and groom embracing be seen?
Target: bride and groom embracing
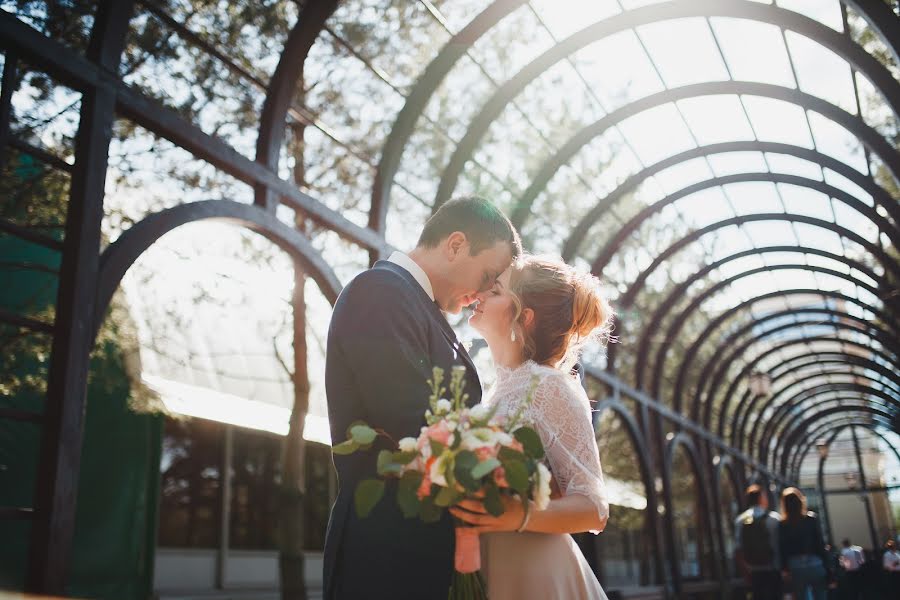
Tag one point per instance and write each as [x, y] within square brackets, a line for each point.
[387, 332]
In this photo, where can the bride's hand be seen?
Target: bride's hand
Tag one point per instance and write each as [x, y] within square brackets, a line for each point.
[473, 512]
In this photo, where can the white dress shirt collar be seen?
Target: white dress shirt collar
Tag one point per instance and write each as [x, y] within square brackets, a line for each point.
[402, 260]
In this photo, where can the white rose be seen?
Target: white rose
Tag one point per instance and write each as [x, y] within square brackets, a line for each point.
[443, 405]
[437, 471]
[503, 438]
[451, 425]
[480, 437]
[479, 412]
[408, 444]
[542, 491]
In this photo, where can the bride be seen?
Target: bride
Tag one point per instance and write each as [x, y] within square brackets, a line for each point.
[535, 320]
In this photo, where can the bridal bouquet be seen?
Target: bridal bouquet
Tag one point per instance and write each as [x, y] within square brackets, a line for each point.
[461, 453]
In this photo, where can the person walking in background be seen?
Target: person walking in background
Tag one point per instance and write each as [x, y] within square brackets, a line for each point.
[890, 562]
[852, 560]
[801, 547]
[756, 538]
[833, 570]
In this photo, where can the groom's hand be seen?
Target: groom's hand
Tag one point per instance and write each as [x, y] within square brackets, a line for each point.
[474, 513]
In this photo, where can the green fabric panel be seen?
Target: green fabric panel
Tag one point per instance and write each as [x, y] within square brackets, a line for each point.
[116, 514]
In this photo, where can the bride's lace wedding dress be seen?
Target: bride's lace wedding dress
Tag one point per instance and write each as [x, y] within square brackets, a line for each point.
[541, 565]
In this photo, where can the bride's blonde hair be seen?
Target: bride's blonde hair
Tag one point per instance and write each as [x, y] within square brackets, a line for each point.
[569, 310]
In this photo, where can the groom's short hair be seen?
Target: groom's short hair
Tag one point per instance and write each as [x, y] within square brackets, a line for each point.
[482, 222]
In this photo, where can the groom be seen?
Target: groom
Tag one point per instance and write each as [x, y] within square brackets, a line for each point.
[387, 332]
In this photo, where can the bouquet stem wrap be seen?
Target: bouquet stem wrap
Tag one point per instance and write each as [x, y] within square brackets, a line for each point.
[468, 550]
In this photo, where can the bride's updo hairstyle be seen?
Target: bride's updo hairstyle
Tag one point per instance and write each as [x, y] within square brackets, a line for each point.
[569, 310]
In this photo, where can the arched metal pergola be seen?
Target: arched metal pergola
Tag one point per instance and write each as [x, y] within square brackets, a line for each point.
[688, 383]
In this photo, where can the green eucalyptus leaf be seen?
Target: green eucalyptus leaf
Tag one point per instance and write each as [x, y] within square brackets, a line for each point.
[465, 462]
[517, 476]
[531, 441]
[363, 434]
[344, 448]
[483, 468]
[448, 496]
[368, 493]
[407, 494]
[492, 501]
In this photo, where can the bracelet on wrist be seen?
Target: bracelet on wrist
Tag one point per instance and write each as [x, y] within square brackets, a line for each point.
[524, 524]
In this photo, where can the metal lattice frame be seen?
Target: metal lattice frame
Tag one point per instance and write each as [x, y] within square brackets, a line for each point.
[88, 278]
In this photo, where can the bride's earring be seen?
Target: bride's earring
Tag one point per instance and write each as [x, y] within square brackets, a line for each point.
[512, 335]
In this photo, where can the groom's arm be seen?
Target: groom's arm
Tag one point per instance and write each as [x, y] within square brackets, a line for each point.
[380, 339]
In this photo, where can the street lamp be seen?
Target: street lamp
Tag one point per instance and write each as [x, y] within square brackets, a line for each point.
[760, 383]
[822, 447]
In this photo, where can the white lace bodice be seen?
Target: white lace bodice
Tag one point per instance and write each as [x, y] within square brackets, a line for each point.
[560, 412]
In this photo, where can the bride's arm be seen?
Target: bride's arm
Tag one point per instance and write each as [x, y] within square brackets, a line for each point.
[569, 514]
[563, 421]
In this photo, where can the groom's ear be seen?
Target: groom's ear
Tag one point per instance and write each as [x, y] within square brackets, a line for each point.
[456, 242]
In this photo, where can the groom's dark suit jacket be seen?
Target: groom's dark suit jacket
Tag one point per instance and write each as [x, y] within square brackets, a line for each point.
[385, 336]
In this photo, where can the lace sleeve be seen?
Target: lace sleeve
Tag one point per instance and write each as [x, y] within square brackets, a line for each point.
[562, 417]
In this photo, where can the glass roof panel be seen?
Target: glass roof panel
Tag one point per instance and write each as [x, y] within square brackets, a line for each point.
[817, 237]
[753, 51]
[834, 140]
[620, 81]
[676, 43]
[791, 165]
[855, 221]
[754, 197]
[458, 13]
[715, 119]
[705, 207]
[729, 163]
[683, 174]
[839, 181]
[511, 44]
[565, 17]
[821, 72]
[805, 201]
[657, 133]
[771, 233]
[778, 121]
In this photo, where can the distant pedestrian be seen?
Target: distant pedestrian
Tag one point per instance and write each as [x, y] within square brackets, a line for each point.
[801, 547]
[852, 560]
[756, 538]
[890, 562]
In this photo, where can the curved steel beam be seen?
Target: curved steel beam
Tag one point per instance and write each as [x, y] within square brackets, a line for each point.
[790, 455]
[720, 350]
[881, 19]
[722, 318]
[803, 428]
[742, 411]
[121, 254]
[773, 427]
[681, 289]
[576, 237]
[679, 321]
[282, 87]
[748, 403]
[728, 358]
[827, 37]
[834, 368]
[628, 298]
[417, 100]
[635, 222]
[830, 435]
[683, 440]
